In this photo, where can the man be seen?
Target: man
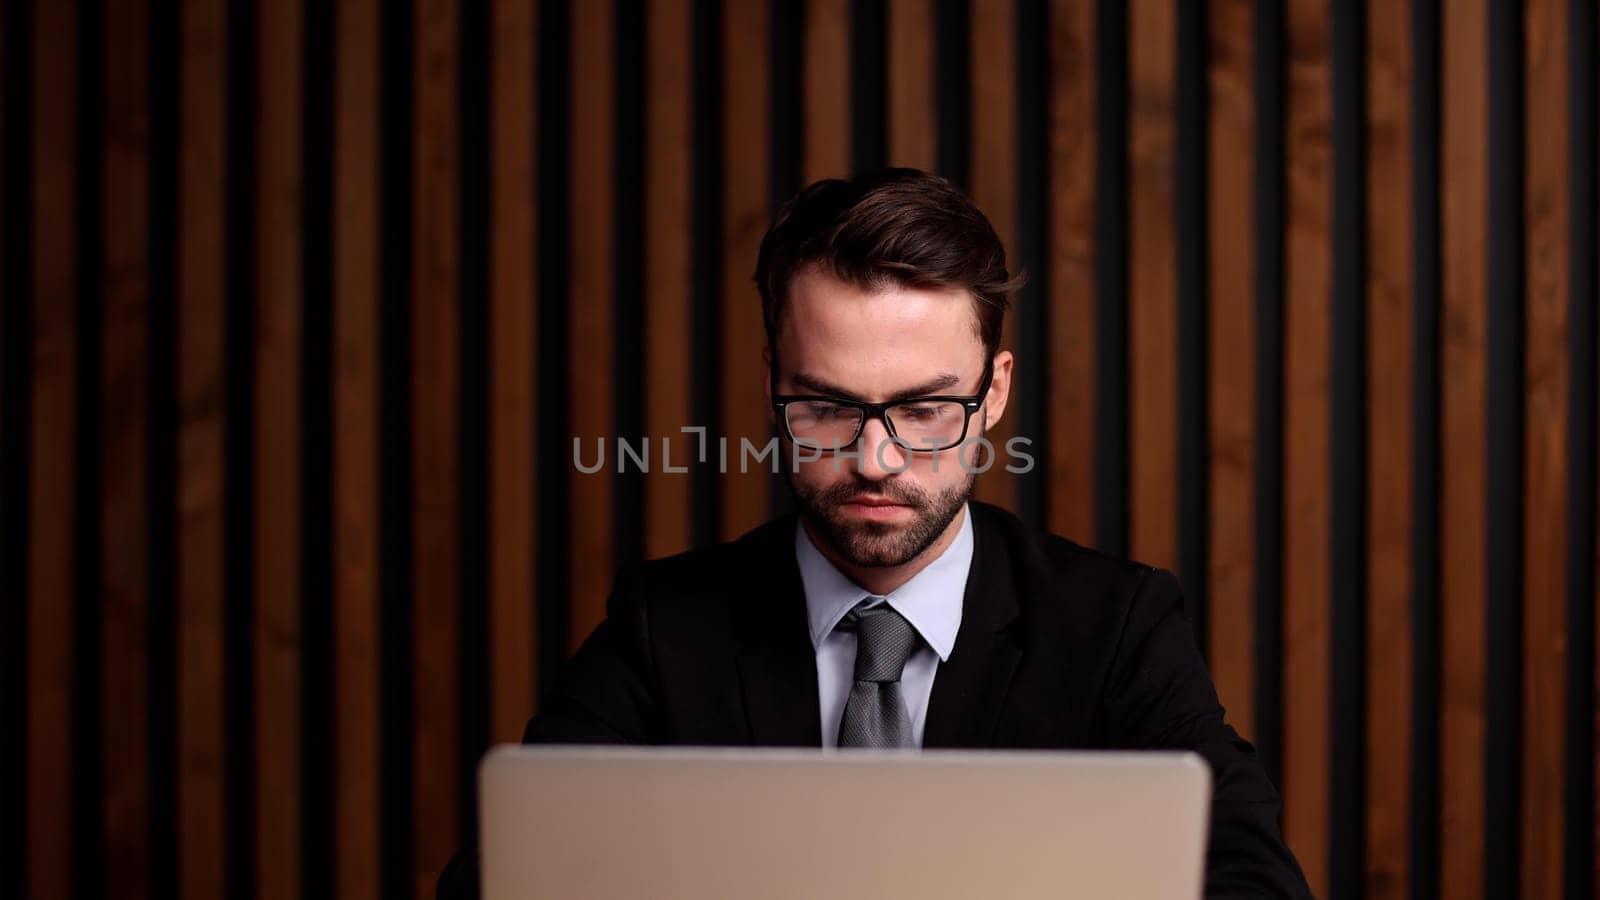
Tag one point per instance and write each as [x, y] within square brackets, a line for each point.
[893, 611]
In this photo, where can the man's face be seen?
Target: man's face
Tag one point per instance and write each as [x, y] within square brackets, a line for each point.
[838, 340]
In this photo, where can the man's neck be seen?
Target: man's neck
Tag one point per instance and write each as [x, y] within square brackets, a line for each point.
[883, 580]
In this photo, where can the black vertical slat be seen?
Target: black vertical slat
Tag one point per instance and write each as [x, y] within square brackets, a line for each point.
[472, 635]
[239, 452]
[16, 291]
[394, 461]
[1583, 150]
[165, 38]
[1031, 372]
[869, 120]
[1269, 76]
[787, 140]
[1192, 224]
[1426, 390]
[554, 575]
[628, 383]
[705, 403]
[88, 781]
[952, 77]
[1504, 454]
[1348, 452]
[316, 454]
[1111, 276]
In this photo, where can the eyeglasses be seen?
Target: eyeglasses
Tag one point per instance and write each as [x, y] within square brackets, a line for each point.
[921, 424]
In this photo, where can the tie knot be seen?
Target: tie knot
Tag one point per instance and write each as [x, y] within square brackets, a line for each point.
[884, 641]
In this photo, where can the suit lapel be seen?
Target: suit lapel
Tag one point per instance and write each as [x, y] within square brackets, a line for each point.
[777, 664]
[970, 687]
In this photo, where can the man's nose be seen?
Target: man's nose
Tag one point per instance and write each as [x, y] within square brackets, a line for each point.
[881, 457]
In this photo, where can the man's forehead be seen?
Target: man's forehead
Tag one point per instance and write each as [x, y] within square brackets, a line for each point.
[825, 309]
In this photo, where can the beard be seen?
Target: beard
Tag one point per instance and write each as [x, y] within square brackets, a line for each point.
[880, 544]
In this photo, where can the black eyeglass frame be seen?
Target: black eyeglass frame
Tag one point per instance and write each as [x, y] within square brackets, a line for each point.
[880, 411]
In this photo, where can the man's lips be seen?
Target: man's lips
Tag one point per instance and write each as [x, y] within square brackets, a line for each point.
[873, 502]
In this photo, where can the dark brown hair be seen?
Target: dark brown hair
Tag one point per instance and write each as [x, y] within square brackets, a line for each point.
[901, 227]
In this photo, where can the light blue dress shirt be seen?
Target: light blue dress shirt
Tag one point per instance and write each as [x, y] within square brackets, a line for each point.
[931, 601]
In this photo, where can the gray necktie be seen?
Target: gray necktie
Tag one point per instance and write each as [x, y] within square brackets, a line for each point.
[875, 716]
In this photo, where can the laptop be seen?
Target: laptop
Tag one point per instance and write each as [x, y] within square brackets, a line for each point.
[559, 822]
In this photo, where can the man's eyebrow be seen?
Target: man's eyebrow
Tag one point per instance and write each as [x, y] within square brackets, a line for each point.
[940, 382]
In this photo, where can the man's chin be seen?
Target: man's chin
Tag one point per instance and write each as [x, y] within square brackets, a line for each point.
[873, 545]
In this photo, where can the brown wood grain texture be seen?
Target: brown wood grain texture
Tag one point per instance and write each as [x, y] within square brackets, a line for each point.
[513, 298]
[54, 429]
[1152, 283]
[1545, 477]
[277, 338]
[669, 339]
[1231, 341]
[203, 823]
[911, 83]
[591, 324]
[1307, 319]
[826, 150]
[994, 189]
[1391, 289]
[1072, 277]
[746, 213]
[124, 543]
[1464, 170]
[435, 426]
[356, 619]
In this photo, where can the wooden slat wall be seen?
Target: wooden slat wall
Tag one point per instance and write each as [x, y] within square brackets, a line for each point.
[123, 535]
[204, 826]
[355, 439]
[1391, 284]
[994, 161]
[1545, 486]
[1071, 384]
[52, 590]
[435, 461]
[1230, 588]
[1464, 172]
[514, 125]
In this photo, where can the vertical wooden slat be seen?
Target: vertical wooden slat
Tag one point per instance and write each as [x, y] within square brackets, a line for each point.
[994, 166]
[435, 424]
[1464, 173]
[1545, 479]
[355, 451]
[668, 226]
[1231, 407]
[1306, 454]
[1152, 283]
[202, 220]
[827, 90]
[1391, 284]
[277, 455]
[746, 213]
[124, 453]
[911, 80]
[512, 204]
[1071, 385]
[593, 295]
[54, 430]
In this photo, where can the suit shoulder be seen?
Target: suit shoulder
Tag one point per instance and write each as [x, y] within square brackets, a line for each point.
[1065, 573]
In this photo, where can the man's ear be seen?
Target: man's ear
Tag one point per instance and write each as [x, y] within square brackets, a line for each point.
[766, 382]
[999, 389]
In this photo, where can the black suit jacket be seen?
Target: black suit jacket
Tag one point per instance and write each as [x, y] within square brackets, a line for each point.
[1059, 647]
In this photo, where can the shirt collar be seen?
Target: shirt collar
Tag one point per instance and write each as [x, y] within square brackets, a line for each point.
[931, 601]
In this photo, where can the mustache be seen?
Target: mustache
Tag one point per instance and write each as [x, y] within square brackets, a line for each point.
[888, 491]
